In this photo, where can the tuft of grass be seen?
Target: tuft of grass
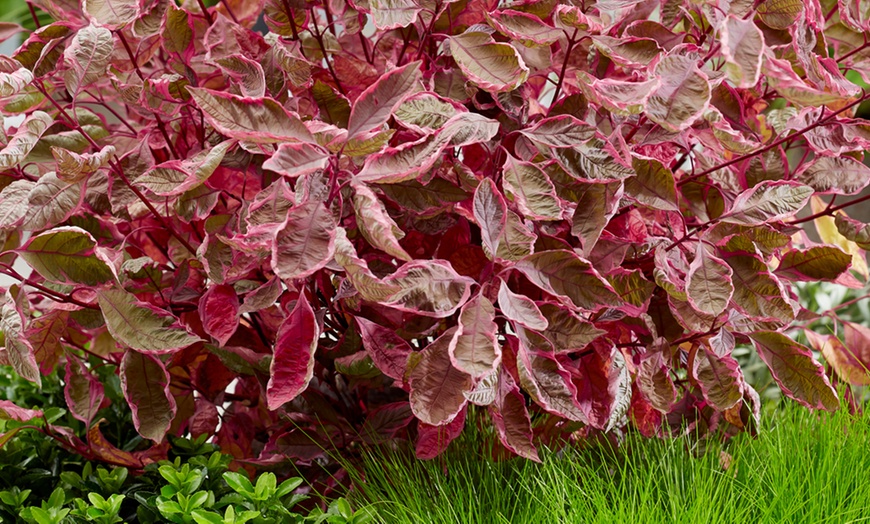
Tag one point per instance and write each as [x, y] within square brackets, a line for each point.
[803, 467]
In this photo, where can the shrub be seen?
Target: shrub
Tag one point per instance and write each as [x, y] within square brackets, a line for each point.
[357, 224]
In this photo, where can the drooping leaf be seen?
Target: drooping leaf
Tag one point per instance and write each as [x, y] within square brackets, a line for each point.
[795, 370]
[511, 419]
[84, 393]
[425, 112]
[490, 212]
[743, 50]
[293, 357]
[66, 255]
[813, 264]
[717, 372]
[756, 291]
[654, 380]
[519, 308]
[219, 311]
[262, 297]
[531, 189]
[565, 274]
[474, 348]
[437, 388]
[549, 384]
[566, 331]
[827, 228]
[839, 175]
[388, 350]
[708, 282]
[526, 28]
[50, 202]
[494, 67]
[44, 334]
[145, 382]
[246, 72]
[409, 160]
[376, 104]
[433, 440]
[88, 56]
[847, 360]
[305, 242]
[261, 120]
[19, 352]
[595, 207]
[375, 223]
[10, 411]
[13, 83]
[295, 160]
[769, 201]
[853, 230]
[141, 326]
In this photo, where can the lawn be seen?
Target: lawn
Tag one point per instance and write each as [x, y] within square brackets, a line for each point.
[802, 467]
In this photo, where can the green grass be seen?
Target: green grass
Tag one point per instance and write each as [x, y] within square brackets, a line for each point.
[803, 467]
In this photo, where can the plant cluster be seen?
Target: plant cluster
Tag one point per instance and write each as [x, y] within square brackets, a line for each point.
[356, 222]
[198, 490]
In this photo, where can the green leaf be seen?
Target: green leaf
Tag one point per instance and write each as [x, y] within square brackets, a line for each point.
[145, 382]
[779, 14]
[375, 105]
[708, 282]
[437, 387]
[113, 14]
[683, 95]
[50, 202]
[474, 349]
[494, 67]
[842, 175]
[531, 189]
[564, 274]
[375, 223]
[795, 370]
[814, 264]
[140, 325]
[87, 57]
[24, 139]
[743, 50]
[261, 120]
[769, 201]
[66, 255]
[653, 185]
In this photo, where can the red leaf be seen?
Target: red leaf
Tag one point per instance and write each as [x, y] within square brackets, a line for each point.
[293, 358]
[219, 311]
[388, 350]
[433, 440]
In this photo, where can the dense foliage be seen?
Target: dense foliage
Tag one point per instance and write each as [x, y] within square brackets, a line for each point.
[355, 225]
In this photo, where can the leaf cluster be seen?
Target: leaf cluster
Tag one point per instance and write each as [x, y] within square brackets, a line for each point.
[287, 226]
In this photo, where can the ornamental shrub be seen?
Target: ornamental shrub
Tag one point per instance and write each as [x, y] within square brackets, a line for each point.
[299, 224]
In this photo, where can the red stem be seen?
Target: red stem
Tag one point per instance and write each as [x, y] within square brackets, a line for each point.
[783, 140]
